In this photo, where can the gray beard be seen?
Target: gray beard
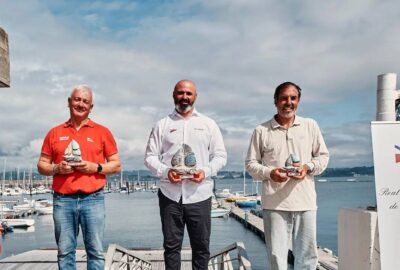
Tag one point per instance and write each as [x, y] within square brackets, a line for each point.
[178, 108]
[287, 114]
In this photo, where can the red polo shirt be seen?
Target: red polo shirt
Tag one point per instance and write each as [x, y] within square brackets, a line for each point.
[96, 143]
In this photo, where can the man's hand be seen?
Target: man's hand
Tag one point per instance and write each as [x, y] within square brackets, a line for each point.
[86, 167]
[62, 168]
[279, 175]
[303, 172]
[173, 177]
[198, 176]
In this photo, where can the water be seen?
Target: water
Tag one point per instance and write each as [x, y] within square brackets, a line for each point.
[133, 220]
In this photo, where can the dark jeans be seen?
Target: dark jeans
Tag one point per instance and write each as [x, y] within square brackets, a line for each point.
[197, 217]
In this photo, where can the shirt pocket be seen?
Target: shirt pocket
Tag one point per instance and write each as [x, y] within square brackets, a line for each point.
[271, 154]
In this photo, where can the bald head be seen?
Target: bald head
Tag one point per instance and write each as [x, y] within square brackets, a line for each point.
[185, 84]
[185, 94]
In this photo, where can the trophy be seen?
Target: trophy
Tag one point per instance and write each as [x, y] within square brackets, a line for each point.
[184, 162]
[292, 165]
[72, 154]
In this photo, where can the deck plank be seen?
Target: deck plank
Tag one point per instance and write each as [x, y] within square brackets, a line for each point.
[46, 259]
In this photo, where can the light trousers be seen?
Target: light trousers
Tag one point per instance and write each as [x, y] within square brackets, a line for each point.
[297, 227]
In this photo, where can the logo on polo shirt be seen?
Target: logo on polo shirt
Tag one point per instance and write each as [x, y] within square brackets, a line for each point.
[64, 138]
[89, 139]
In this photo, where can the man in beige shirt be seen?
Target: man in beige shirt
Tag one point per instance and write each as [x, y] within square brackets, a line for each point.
[289, 197]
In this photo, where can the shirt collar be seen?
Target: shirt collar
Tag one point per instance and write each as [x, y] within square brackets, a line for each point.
[90, 123]
[194, 113]
[275, 123]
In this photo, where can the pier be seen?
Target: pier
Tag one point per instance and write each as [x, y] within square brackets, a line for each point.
[327, 261]
[232, 257]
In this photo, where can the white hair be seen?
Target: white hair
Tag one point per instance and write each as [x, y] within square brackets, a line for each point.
[84, 88]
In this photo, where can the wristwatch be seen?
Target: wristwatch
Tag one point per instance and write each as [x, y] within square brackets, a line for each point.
[99, 167]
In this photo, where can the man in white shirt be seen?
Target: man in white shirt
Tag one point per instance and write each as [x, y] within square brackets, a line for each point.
[289, 197]
[185, 199]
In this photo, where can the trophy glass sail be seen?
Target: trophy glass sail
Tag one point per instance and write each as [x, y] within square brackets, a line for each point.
[292, 165]
[72, 154]
[184, 162]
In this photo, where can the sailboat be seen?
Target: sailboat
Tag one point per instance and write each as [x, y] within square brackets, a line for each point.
[123, 188]
[246, 201]
[138, 186]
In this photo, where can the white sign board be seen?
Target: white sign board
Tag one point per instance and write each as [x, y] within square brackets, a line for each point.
[386, 147]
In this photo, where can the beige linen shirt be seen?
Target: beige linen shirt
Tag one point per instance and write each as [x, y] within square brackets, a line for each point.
[269, 148]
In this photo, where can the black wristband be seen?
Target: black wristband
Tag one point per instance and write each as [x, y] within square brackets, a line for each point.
[99, 167]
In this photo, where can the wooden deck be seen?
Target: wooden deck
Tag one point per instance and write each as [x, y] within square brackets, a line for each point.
[46, 259]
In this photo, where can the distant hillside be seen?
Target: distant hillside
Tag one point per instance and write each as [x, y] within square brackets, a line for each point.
[145, 175]
[335, 172]
[329, 172]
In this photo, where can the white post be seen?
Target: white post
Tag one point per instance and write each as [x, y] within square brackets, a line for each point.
[358, 239]
[386, 97]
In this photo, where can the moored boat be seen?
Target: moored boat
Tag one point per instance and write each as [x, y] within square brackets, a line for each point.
[19, 223]
[225, 193]
[246, 203]
[219, 212]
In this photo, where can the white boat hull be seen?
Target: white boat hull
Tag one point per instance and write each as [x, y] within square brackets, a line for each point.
[19, 223]
[219, 212]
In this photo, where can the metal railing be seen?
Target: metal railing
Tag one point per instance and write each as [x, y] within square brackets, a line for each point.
[119, 258]
[222, 260]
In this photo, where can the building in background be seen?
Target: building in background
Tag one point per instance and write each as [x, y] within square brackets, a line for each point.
[4, 60]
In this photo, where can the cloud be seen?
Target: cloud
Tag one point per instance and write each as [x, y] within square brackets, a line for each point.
[350, 145]
[237, 52]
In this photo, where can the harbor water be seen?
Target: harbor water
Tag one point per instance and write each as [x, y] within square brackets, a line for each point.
[133, 221]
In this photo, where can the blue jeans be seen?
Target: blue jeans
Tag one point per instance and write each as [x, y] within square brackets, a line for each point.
[299, 227]
[88, 211]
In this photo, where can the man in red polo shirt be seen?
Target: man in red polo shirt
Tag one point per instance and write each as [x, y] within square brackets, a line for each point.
[78, 188]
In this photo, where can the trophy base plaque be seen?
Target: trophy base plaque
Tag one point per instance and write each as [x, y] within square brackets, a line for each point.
[293, 171]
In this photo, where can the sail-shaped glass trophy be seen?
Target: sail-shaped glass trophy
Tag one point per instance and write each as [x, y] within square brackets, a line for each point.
[72, 154]
[184, 162]
[292, 165]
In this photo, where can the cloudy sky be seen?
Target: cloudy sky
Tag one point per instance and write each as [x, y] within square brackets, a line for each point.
[237, 51]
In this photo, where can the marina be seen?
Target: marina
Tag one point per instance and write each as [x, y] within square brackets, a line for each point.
[144, 230]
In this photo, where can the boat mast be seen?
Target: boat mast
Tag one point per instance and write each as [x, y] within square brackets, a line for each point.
[4, 175]
[23, 181]
[244, 176]
[17, 176]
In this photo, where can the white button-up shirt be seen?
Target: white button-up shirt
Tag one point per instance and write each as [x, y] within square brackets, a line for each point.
[203, 136]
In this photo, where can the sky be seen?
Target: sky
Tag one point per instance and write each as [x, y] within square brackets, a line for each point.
[236, 51]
